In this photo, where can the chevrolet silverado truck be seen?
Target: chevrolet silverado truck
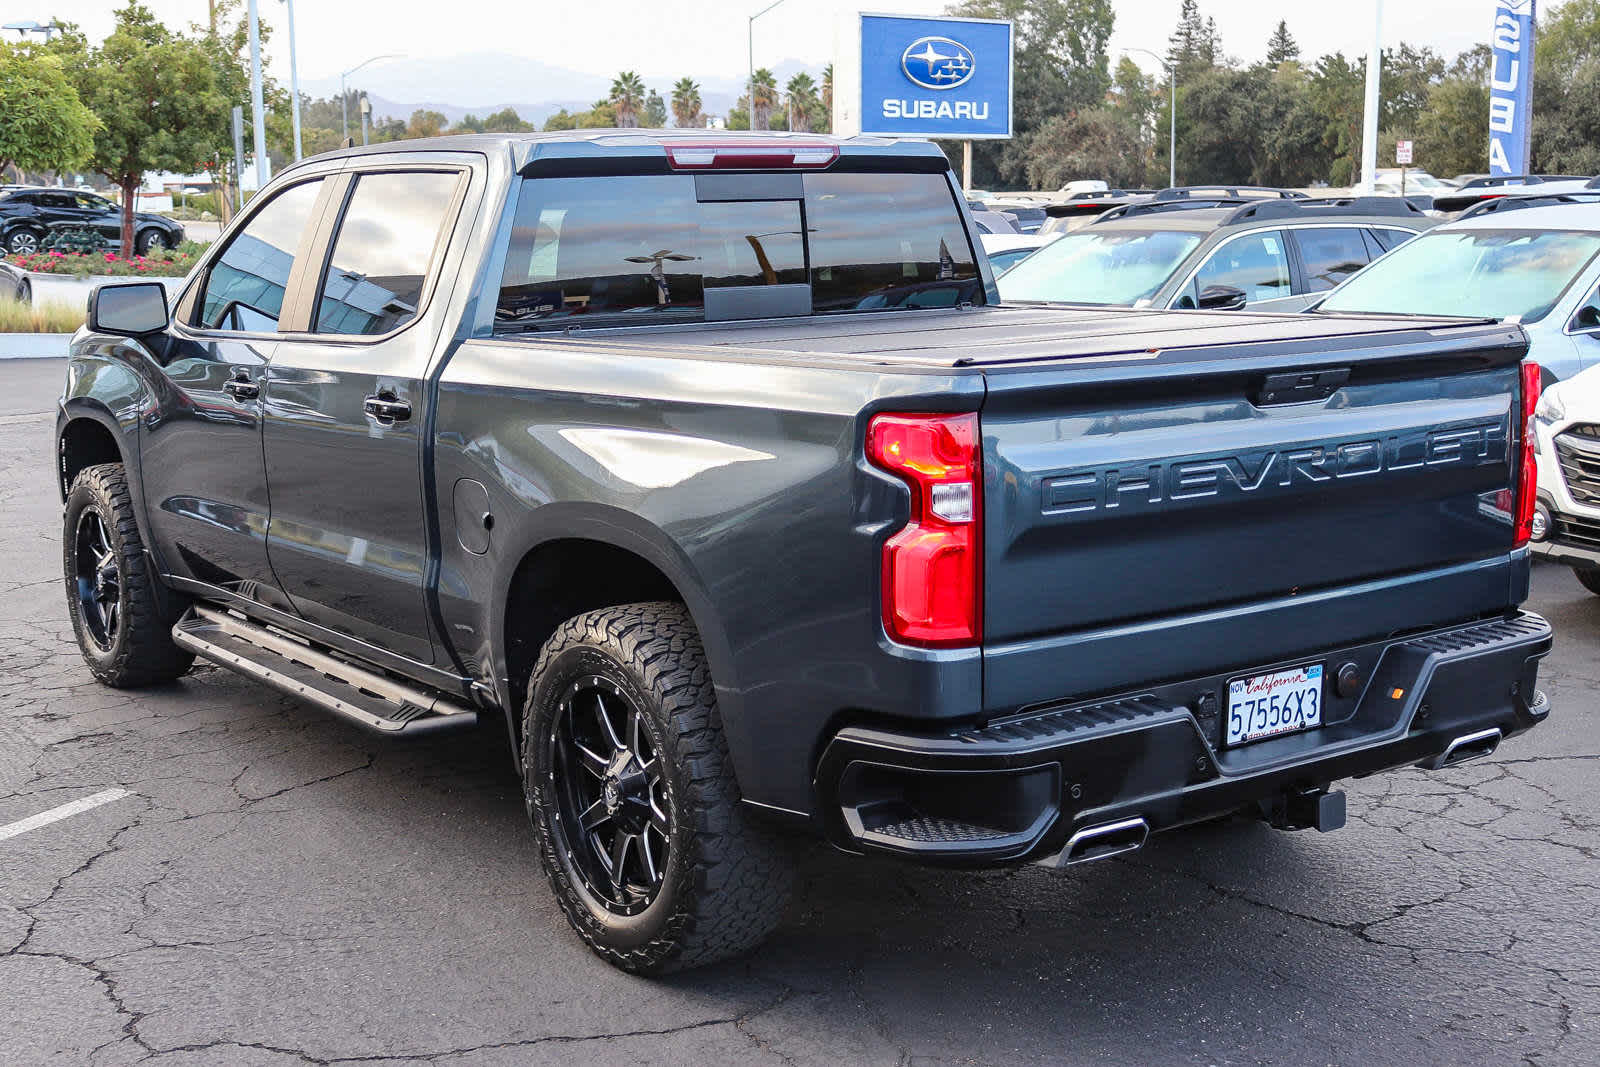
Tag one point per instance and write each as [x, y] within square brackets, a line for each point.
[711, 474]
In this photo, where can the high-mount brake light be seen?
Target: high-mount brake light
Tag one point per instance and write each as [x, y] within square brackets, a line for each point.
[1527, 469]
[755, 155]
[933, 567]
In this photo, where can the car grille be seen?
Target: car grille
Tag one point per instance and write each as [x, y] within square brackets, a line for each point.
[1579, 533]
[1578, 454]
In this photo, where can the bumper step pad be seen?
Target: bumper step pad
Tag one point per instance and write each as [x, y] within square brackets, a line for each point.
[370, 700]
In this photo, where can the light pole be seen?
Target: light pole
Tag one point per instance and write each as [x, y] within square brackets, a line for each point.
[366, 113]
[1172, 123]
[750, 40]
[294, 84]
[1369, 117]
[344, 105]
[44, 29]
[258, 108]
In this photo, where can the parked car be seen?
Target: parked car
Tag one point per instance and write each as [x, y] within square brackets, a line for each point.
[14, 283]
[1531, 260]
[587, 437]
[1219, 253]
[1079, 209]
[1481, 190]
[28, 216]
[1026, 216]
[1006, 250]
[1566, 426]
[1417, 182]
[992, 221]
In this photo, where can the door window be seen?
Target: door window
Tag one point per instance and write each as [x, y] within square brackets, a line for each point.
[1392, 238]
[244, 288]
[1330, 254]
[1255, 264]
[380, 257]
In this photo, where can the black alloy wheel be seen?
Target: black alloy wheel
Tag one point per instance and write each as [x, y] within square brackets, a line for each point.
[614, 810]
[99, 579]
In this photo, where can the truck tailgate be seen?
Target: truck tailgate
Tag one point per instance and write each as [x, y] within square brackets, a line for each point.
[1218, 507]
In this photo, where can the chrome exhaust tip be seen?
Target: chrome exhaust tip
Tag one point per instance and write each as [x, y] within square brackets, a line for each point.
[1103, 841]
[1464, 749]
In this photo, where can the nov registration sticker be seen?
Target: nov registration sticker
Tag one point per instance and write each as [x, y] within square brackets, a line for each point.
[1267, 705]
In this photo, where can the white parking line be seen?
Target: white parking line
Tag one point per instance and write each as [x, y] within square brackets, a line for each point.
[65, 811]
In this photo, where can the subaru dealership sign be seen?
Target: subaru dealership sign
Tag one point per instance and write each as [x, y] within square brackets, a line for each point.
[1511, 87]
[923, 77]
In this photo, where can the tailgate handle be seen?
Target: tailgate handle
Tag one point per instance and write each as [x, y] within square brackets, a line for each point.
[1301, 386]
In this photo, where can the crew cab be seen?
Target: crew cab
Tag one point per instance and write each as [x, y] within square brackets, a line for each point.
[709, 472]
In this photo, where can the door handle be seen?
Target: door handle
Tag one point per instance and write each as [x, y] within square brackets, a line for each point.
[385, 408]
[241, 388]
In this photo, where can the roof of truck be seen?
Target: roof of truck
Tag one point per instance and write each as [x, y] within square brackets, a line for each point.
[987, 336]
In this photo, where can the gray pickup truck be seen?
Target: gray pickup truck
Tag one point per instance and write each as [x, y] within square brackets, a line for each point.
[710, 472]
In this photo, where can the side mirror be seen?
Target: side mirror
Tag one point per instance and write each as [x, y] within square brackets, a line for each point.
[1587, 318]
[1221, 298]
[132, 309]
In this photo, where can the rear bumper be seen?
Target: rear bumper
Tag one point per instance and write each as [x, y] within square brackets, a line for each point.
[1021, 788]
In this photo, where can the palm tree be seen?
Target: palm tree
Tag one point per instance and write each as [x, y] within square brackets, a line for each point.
[827, 90]
[802, 97]
[686, 103]
[627, 98]
[766, 98]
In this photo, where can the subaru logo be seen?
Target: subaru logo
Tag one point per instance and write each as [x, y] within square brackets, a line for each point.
[937, 63]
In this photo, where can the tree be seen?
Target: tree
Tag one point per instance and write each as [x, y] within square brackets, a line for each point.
[627, 98]
[1060, 68]
[1337, 95]
[1194, 47]
[1097, 143]
[425, 123]
[826, 96]
[686, 104]
[1566, 70]
[157, 96]
[1135, 100]
[655, 111]
[1282, 48]
[468, 123]
[506, 120]
[801, 99]
[43, 123]
[1452, 131]
[765, 85]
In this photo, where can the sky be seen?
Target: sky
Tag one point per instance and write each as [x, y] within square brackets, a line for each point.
[708, 38]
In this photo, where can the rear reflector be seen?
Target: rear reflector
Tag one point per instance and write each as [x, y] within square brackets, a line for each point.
[933, 567]
[755, 155]
[1527, 469]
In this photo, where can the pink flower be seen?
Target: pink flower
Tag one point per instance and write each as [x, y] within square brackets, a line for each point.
[54, 254]
[110, 258]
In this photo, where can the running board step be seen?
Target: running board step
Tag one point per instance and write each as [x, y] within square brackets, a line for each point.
[370, 700]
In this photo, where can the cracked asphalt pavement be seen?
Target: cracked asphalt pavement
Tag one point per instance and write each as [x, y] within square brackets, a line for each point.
[280, 889]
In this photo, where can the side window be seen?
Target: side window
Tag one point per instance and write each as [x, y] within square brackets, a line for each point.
[1330, 254]
[244, 288]
[381, 254]
[1391, 239]
[1255, 264]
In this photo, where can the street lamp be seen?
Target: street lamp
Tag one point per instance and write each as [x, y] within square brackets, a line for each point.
[294, 83]
[344, 106]
[1172, 123]
[750, 39]
[46, 29]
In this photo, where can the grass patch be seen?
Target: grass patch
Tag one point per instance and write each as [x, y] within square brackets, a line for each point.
[17, 317]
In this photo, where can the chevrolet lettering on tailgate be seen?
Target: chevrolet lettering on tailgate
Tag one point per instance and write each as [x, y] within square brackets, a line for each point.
[1205, 477]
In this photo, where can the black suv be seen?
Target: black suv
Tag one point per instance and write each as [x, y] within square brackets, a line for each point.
[1222, 250]
[29, 216]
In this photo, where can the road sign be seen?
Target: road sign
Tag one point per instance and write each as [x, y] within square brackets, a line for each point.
[923, 77]
[1402, 153]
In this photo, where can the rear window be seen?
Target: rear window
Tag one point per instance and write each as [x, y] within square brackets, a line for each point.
[646, 248]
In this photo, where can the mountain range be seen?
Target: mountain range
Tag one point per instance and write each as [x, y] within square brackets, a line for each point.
[481, 83]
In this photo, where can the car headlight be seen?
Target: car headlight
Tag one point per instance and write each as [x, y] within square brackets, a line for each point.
[1550, 410]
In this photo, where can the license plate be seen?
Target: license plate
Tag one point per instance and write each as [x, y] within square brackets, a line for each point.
[1266, 705]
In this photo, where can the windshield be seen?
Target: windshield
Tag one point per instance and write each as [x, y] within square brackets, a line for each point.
[1099, 267]
[1496, 274]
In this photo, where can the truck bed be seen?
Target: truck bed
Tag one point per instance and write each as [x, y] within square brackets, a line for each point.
[1013, 335]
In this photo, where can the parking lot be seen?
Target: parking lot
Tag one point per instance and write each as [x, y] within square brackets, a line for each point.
[277, 888]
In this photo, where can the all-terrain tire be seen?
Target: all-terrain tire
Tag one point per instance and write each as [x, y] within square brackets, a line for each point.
[726, 880]
[1590, 577]
[138, 650]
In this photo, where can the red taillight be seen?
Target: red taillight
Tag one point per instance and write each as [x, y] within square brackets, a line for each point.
[933, 568]
[1527, 471]
[751, 155]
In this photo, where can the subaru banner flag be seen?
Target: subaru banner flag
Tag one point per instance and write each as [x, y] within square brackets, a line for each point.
[1511, 87]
